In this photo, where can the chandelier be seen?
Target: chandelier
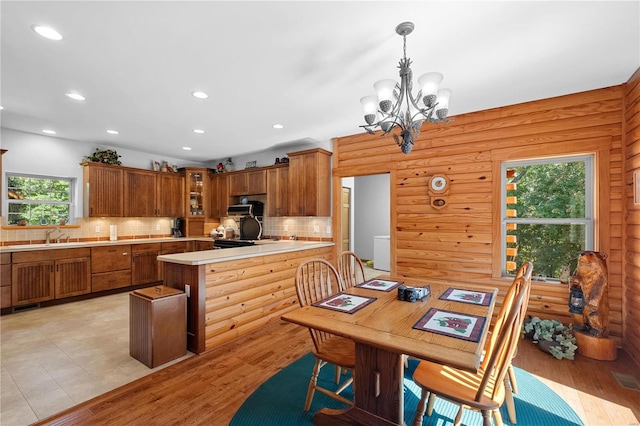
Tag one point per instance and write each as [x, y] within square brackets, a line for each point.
[394, 105]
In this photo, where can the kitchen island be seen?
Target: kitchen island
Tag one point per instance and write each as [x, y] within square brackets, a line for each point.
[232, 292]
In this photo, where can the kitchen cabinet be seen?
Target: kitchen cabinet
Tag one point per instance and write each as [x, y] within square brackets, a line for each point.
[38, 276]
[139, 193]
[144, 264]
[110, 267]
[103, 190]
[171, 248]
[153, 194]
[278, 191]
[248, 182]
[5, 280]
[203, 245]
[196, 180]
[309, 183]
[219, 195]
[170, 195]
[197, 188]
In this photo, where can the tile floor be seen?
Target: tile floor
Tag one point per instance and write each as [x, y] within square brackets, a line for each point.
[56, 357]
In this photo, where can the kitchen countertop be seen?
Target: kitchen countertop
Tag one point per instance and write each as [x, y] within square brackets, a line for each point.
[261, 248]
[54, 246]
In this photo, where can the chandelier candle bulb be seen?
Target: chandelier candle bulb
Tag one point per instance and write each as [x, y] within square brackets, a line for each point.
[429, 84]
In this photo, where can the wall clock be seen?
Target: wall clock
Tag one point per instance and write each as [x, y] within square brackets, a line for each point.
[438, 188]
[439, 184]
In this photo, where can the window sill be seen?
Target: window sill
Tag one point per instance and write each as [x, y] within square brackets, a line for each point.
[39, 226]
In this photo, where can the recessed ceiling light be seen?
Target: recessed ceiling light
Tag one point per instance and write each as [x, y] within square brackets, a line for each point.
[278, 126]
[47, 32]
[199, 131]
[186, 148]
[1, 107]
[113, 132]
[49, 132]
[200, 95]
[75, 96]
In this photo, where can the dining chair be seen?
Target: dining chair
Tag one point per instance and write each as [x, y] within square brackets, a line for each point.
[317, 279]
[525, 271]
[351, 269]
[484, 390]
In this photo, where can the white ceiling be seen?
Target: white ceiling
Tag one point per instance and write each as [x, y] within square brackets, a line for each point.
[302, 64]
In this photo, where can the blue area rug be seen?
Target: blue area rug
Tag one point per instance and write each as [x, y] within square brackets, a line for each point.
[280, 401]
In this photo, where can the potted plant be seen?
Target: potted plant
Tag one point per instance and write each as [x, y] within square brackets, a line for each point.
[551, 336]
[108, 156]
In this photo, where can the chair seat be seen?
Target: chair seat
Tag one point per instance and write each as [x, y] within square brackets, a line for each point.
[337, 350]
[457, 386]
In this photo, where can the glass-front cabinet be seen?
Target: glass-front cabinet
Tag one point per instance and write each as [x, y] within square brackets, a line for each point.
[195, 180]
[197, 199]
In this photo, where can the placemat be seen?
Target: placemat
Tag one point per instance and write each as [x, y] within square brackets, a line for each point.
[467, 296]
[344, 302]
[381, 285]
[452, 324]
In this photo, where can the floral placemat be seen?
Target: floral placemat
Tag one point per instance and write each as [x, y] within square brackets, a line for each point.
[452, 324]
[467, 296]
[344, 302]
[382, 285]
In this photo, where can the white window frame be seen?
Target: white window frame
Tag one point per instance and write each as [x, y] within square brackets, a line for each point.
[588, 221]
[71, 203]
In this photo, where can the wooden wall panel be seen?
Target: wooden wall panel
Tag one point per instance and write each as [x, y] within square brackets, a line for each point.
[461, 240]
[631, 220]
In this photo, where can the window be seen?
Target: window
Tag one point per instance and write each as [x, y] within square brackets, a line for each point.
[39, 200]
[547, 213]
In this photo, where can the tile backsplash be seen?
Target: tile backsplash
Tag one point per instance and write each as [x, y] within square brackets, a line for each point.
[88, 229]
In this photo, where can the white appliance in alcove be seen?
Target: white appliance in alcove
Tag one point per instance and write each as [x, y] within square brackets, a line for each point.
[381, 252]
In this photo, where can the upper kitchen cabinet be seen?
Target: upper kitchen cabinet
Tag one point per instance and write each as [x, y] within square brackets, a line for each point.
[139, 193]
[103, 186]
[197, 185]
[278, 191]
[310, 183]
[219, 195]
[248, 182]
[170, 195]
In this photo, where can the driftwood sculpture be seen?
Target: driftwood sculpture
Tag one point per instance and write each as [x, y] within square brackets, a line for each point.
[591, 277]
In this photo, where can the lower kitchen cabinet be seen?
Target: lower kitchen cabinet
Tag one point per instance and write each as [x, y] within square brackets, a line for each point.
[44, 275]
[5, 280]
[144, 263]
[110, 267]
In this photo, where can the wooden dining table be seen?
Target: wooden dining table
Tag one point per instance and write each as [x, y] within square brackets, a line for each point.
[384, 330]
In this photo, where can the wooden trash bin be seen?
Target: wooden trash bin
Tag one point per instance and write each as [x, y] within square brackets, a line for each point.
[157, 325]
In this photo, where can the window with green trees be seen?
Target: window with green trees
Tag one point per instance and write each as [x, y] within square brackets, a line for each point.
[38, 200]
[547, 214]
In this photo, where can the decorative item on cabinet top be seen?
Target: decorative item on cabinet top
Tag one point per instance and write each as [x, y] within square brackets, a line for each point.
[108, 156]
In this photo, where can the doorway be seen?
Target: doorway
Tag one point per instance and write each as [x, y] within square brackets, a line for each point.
[365, 214]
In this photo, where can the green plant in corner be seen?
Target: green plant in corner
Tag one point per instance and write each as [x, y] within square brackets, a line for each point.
[551, 336]
[108, 156]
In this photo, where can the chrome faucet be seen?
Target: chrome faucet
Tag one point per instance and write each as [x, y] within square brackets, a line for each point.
[59, 237]
[47, 235]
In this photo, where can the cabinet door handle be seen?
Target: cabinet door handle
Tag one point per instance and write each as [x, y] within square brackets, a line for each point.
[125, 253]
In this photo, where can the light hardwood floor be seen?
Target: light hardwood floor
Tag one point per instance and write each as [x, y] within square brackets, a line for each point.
[208, 389]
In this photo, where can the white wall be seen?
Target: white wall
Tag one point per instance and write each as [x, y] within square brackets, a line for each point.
[35, 154]
[371, 211]
[268, 157]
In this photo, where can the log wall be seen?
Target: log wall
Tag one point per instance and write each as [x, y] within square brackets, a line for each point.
[631, 272]
[243, 295]
[461, 241]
